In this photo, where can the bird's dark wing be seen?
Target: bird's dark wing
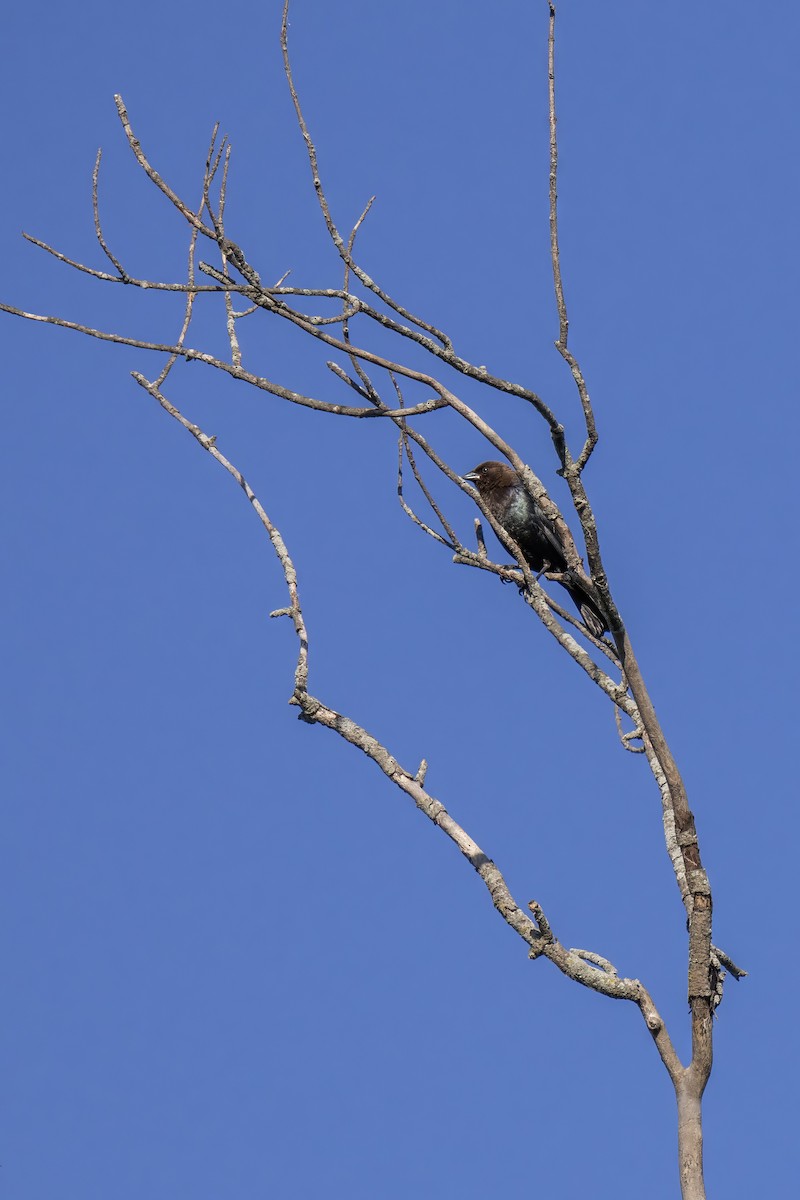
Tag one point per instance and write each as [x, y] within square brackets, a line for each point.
[551, 549]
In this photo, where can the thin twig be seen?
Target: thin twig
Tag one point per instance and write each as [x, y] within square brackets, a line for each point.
[190, 298]
[153, 175]
[348, 308]
[123, 274]
[555, 257]
[403, 444]
[333, 232]
[219, 225]
[152, 285]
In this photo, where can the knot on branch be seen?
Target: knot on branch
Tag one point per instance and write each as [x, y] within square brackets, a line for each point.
[542, 921]
[309, 707]
[232, 252]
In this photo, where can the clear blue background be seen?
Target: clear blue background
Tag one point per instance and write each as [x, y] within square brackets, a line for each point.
[237, 962]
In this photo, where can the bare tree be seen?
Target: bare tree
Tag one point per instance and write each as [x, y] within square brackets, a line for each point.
[390, 387]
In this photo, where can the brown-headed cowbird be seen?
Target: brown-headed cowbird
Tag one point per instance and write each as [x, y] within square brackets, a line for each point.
[503, 492]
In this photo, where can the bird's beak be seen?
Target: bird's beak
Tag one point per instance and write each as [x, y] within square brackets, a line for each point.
[471, 476]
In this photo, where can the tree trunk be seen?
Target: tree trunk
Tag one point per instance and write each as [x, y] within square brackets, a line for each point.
[690, 1140]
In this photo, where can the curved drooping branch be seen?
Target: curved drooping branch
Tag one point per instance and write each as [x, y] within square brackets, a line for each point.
[588, 968]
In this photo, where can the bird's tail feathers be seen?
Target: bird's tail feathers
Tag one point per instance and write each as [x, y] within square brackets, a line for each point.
[587, 603]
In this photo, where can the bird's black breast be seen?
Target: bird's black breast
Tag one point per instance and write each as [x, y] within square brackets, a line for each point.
[526, 523]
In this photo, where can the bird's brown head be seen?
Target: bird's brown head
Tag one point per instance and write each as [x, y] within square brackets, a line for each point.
[490, 475]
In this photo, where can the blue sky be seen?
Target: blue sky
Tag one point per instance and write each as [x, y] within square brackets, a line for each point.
[238, 963]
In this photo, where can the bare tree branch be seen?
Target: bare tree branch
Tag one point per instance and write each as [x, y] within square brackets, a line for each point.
[152, 174]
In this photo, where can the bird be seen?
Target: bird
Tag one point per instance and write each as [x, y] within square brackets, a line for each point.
[504, 494]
